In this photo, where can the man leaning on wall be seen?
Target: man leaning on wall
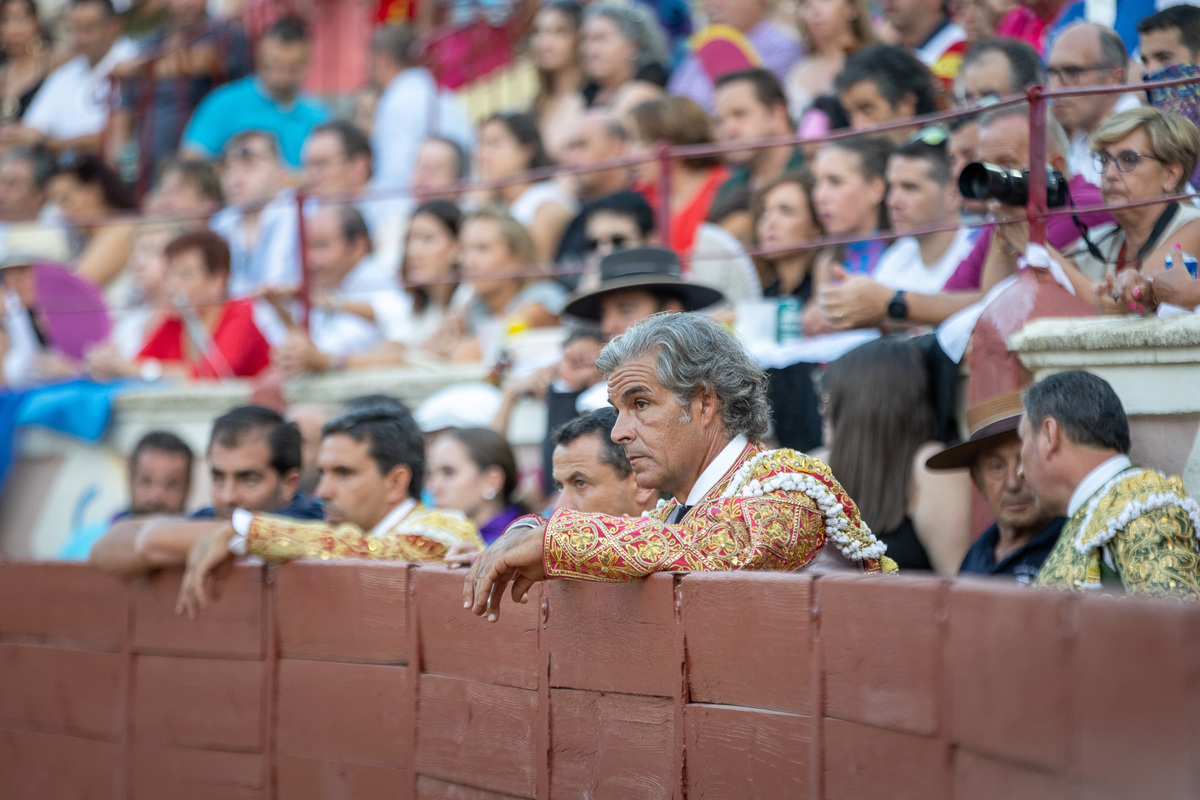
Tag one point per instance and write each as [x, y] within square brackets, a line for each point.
[254, 462]
[372, 468]
[691, 415]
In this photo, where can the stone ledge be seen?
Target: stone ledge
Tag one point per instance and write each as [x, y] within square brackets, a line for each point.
[1109, 333]
[412, 384]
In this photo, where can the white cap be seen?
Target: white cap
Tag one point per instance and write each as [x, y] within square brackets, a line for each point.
[463, 405]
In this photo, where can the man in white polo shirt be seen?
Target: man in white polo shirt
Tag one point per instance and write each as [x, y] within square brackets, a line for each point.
[71, 109]
[922, 193]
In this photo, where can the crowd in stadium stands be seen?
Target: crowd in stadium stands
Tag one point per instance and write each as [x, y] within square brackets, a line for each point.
[169, 163]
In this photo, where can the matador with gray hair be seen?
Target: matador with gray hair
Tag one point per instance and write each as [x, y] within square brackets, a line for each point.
[691, 415]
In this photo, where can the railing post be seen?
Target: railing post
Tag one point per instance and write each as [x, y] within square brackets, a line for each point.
[663, 212]
[305, 288]
[1035, 207]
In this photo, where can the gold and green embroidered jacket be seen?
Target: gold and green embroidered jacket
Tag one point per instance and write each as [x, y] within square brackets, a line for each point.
[1137, 533]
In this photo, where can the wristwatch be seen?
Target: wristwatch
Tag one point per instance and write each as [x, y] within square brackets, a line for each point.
[898, 307]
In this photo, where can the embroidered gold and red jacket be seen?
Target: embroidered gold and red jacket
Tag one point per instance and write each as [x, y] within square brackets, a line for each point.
[772, 510]
[422, 535]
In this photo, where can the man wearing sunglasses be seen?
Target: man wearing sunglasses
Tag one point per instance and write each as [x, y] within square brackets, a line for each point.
[1087, 54]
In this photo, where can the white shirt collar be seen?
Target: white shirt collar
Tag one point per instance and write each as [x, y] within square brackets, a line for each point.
[715, 469]
[393, 518]
[1095, 480]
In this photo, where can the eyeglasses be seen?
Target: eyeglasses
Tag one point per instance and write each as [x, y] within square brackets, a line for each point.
[932, 135]
[1072, 75]
[980, 100]
[244, 153]
[1126, 160]
[617, 241]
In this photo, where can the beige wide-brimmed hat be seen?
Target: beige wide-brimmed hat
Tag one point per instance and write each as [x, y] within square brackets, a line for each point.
[988, 424]
[28, 244]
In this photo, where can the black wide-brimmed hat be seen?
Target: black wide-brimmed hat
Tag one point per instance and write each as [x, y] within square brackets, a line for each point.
[989, 423]
[646, 268]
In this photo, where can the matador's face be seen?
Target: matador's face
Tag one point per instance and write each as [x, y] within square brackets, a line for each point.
[656, 431]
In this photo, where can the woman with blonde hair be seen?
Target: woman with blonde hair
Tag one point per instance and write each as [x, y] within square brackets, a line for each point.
[1143, 155]
[510, 290]
[830, 30]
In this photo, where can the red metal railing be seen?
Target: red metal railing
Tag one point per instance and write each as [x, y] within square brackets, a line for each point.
[1037, 212]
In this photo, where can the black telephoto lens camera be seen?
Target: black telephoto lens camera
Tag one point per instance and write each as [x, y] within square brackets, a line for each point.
[979, 181]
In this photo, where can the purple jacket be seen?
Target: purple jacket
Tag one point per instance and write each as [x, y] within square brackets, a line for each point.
[1060, 232]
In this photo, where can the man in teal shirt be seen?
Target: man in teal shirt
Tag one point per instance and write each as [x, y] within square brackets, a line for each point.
[750, 106]
[268, 100]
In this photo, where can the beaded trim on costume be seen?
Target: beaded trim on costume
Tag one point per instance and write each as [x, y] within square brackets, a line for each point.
[1131, 512]
[837, 521]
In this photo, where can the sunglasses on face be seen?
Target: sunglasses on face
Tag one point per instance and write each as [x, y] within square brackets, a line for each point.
[616, 242]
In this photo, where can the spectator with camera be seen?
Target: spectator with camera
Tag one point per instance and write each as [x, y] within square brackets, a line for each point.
[1003, 143]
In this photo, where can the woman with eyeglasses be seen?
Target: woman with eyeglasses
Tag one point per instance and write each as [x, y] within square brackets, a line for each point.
[1143, 155]
[510, 144]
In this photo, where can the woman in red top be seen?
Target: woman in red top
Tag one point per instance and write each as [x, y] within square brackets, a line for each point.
[207, 335]
[694, 181]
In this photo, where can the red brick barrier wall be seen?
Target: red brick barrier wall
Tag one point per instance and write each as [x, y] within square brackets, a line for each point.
[365, 681]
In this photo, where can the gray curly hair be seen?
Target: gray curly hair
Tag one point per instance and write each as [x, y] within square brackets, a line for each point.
[638, 24]
[695, 352]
